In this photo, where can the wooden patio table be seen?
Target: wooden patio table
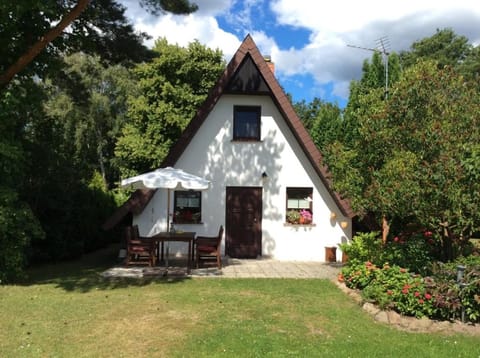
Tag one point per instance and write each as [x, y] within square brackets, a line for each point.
[178, 236]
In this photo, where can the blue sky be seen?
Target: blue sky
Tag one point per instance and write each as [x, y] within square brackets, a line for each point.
[308, 40]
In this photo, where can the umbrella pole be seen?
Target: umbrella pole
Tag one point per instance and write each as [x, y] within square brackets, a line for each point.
[168, 228]
[168, 210]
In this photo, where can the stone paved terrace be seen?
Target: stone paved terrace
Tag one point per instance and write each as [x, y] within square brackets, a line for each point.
[234, 268]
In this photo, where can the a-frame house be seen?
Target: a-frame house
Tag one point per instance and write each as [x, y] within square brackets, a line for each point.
[263, 167]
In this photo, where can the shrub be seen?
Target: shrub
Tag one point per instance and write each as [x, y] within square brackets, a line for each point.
[364, 247]
[414, 251]
[393, 287]
[17, 226]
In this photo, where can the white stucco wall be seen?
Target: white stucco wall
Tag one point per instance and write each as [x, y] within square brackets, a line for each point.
[212, 155]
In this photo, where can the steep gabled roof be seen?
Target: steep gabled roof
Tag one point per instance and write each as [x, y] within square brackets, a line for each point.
[228, 83]
[246, 73]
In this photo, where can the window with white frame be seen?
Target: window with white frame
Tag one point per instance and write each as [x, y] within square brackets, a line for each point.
[299, 206]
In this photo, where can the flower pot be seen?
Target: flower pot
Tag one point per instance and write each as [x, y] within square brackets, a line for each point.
[330, 254]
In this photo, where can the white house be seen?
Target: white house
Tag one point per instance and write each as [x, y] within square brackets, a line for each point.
[247, 140]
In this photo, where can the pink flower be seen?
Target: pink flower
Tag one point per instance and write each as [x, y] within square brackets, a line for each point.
[417, 293]
[405, 290]
[428, 296]
[427, 233]
[396, 239]
[421, 301]
[389, 292]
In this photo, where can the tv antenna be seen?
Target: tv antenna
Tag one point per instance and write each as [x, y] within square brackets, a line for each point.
[383, 47]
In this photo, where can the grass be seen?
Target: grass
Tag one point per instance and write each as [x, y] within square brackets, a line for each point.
[67, 310]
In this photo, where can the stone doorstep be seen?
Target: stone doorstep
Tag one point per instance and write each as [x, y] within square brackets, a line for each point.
[410, 324]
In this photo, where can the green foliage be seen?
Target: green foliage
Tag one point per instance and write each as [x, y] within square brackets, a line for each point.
[88, 104]
[412, 250]
[445, 47]
[173, 85]
[293, 216]
[364, 247]
[101, 29]
[412, 156]
[438, 296]
[18, 226]
[323, 121]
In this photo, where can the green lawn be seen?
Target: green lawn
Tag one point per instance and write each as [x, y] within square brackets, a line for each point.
[66, 310]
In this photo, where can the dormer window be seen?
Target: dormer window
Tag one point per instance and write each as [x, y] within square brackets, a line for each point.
[246, 123]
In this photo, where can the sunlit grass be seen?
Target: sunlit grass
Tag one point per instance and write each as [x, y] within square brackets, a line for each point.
[67, 310]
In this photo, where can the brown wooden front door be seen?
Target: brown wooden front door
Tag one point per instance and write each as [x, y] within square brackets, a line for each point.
[243, 224]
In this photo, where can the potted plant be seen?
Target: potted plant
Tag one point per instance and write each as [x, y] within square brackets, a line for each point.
[293, 217]
[305, 217]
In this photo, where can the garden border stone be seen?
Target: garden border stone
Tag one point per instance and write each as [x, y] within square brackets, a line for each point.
[410, 324]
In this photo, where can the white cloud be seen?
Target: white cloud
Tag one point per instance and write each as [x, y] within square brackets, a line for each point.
[332, 26]
[182, 30]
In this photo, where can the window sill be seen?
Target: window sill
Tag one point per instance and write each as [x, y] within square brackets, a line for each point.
[252, 140]
[300, 225]
[188, 223]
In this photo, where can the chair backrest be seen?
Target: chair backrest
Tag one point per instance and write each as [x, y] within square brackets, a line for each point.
[218, 240]
[128, 233]
[220, 235]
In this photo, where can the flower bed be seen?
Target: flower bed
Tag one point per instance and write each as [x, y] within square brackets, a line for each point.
[438, 296]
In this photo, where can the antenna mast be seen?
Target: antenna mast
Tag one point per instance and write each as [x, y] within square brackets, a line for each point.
[383, 45]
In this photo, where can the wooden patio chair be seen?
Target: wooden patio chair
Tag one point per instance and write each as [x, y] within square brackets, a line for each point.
[140, 250]
[208, 248]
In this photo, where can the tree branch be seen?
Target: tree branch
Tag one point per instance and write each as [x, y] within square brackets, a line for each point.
[51, 35]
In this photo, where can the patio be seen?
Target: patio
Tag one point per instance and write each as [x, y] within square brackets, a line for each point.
[232, 268]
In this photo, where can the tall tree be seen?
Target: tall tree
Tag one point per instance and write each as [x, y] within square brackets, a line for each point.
[90, 100]
[445, 47]
[323, 121]
[416, 157]
[173, 86]
[373, 79]
[54, 26]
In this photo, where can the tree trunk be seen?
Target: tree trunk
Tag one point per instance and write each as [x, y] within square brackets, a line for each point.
[33, 51]
[385, 229]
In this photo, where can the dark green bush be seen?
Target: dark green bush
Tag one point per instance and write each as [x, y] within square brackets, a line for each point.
[17, 226]
[414, 251]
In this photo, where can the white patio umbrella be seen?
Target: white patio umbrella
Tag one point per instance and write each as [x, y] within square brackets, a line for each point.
[167, 178]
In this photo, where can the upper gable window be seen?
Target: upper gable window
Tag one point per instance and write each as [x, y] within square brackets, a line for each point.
[246, 123]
